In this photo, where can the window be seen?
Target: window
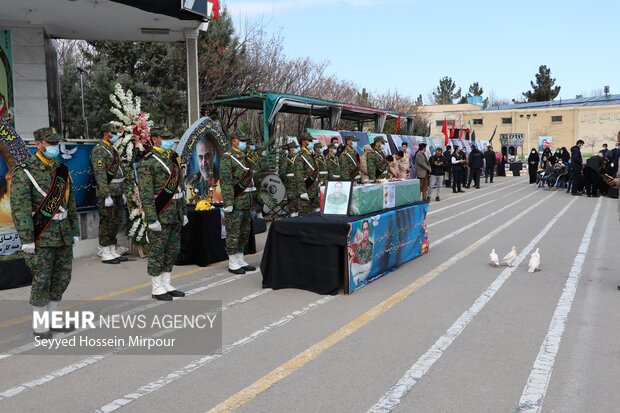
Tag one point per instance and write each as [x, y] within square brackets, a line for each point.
[556, 119]
[439, 123]
[507, 121]
[477, 121]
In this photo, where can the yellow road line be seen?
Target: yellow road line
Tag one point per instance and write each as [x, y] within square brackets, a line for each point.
[115, 293]
[280, 373]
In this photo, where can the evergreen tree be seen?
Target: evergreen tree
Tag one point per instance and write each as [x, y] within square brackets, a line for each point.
[445, 93]
[475, 90]
[419, 101]
[543, 90]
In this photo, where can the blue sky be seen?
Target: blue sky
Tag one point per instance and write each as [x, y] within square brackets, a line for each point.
[409, 45]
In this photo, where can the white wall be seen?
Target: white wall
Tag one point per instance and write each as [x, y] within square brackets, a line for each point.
[30, 83]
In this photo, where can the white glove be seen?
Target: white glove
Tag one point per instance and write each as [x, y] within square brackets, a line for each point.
[28, 248]
[76, 239]
[155, 226]
[109, 202]
[228, 209]
[185, 220]
[304, 196]
[124, 200]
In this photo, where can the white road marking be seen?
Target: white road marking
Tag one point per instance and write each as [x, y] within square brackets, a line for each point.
[196, 364]
[472, 199]
[467, 211]
[14, 391]
[537, 383]
[392, 398]
[473, 224]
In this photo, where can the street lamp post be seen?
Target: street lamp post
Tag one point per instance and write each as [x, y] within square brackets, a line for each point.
[81, 70]
[528, 116]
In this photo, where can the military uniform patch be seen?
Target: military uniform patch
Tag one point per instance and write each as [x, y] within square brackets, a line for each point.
[100, 163]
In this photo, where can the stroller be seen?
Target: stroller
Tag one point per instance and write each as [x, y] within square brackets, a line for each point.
[552, 178]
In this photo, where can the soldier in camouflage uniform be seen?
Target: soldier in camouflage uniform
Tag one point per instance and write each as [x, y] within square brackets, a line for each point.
[306, 177]
[162, 193]
[350, 161]
[333, 164]
[323, 173]
[109, 176]
[287, 175]
[237, 183]
[45, 216]
[377, 165]
[256, 154]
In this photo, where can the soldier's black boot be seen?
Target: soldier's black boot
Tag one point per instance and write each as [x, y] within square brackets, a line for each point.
[233, 265]
[159, 292]
[244, 265]
[173, 292]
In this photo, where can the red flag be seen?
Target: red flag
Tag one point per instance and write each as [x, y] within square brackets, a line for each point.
[452, 131]
[461, 133]
[397, 129]
[444, 130]
[216, 8]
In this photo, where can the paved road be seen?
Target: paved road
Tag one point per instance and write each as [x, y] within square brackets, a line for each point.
[444, 333]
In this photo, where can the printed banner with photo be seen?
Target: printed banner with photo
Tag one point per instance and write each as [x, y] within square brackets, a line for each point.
[544, 142]
[378, 244]
[324, 137]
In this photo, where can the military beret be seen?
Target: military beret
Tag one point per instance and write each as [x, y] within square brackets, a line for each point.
[379, 139]
[351, 138]
[237, 134]
[108, 127]
[48, 135]
[305, 137]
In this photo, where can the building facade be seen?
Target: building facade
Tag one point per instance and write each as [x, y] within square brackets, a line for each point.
[594, 120]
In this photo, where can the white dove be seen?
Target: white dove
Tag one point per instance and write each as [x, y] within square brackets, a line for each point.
[493, 259]
[510, 258]
[534, 261]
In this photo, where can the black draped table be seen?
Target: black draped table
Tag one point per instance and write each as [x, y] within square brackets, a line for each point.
[201, 239]
[323, 254]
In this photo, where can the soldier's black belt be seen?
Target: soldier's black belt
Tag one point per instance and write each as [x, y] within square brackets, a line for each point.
[51, 203]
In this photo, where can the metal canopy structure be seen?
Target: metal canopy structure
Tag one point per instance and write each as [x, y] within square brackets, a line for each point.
[272, 104]
[126, 20]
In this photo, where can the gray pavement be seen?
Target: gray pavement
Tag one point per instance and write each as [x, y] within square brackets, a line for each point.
[459, 337]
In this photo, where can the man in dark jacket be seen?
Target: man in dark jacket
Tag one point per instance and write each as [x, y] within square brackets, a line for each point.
[592, 174]
[437, 162]
[447, 164]
[457, 160]
[489, 164]
[475, 167]
[576, 165]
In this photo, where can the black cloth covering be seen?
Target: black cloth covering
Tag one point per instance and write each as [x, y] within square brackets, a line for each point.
[14, 274]
[308, 252]
[201, 240]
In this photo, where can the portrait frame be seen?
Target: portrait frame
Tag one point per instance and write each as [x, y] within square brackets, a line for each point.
[331, 207]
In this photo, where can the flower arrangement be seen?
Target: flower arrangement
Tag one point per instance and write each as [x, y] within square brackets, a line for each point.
[136, 127]
[203, 205]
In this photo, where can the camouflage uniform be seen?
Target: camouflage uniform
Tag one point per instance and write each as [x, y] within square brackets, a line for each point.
[103, 157]
[306, 167]
[377, 164]
[50, 263]
[364, 253]
[164, 245]
[350, 163]
[333, 164]
[287, 175]
[233, 165]
[260, 170]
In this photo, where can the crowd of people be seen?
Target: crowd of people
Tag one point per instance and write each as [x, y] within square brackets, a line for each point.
[569, 170]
